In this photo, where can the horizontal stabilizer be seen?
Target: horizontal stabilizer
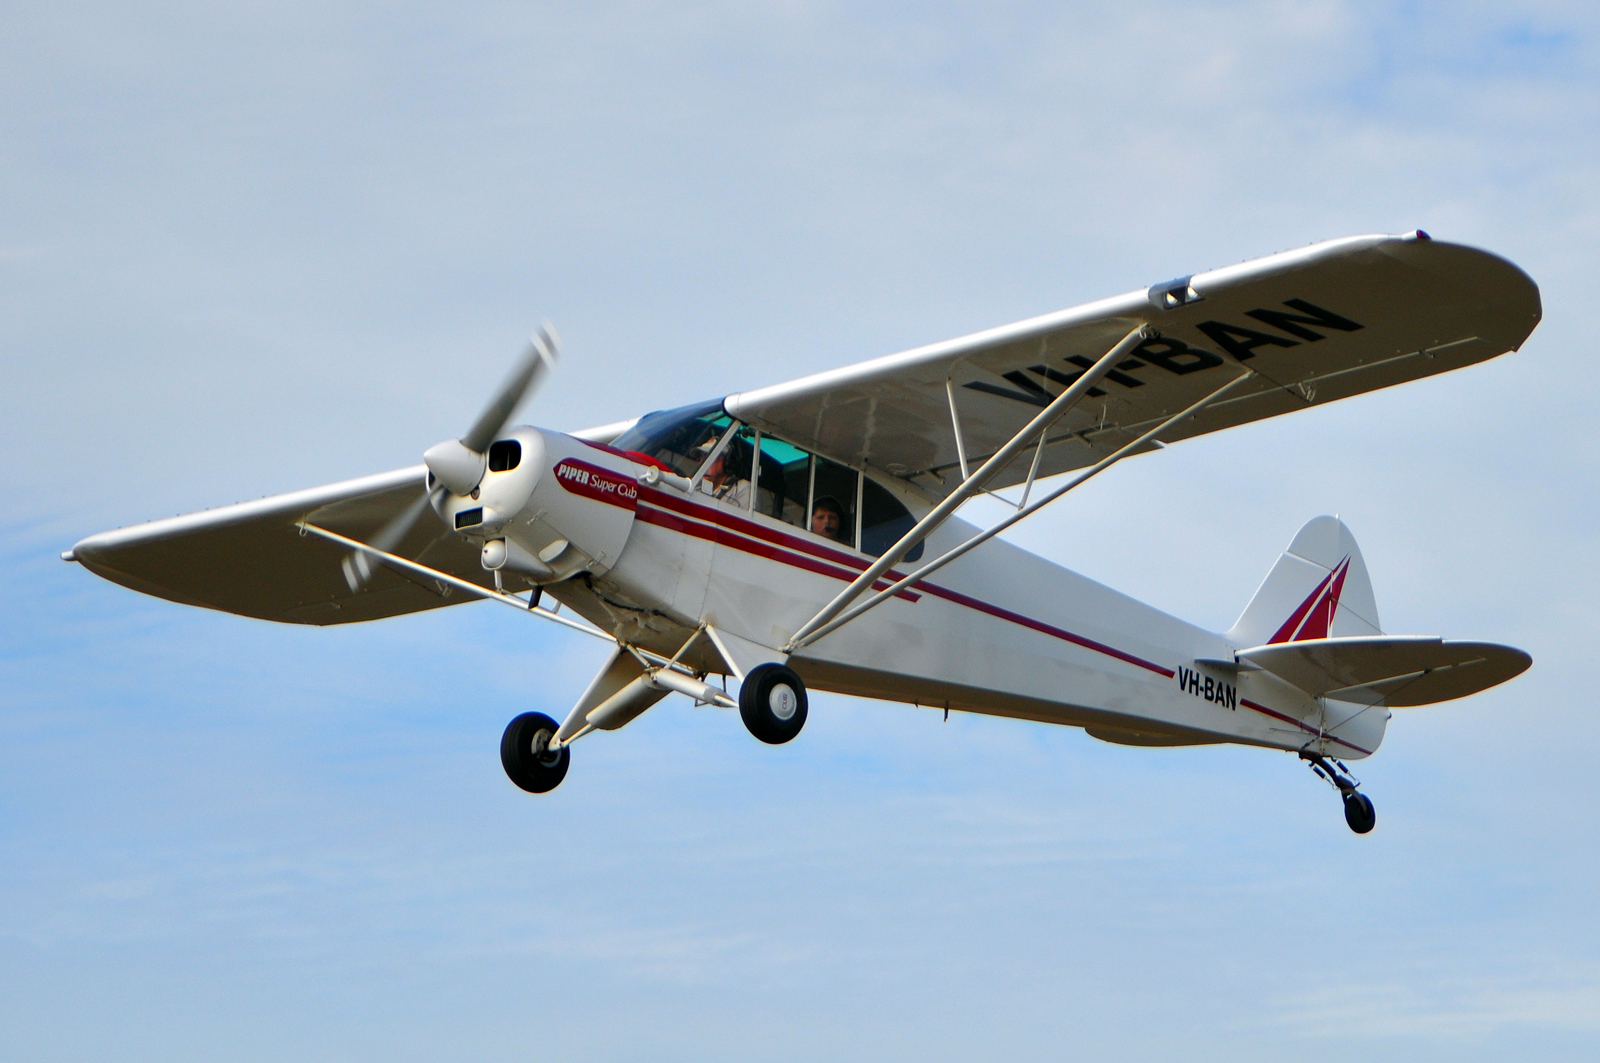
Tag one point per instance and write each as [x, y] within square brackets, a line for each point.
[1394, 670]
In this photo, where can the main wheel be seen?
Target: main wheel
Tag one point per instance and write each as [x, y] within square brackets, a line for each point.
[525, 753]
[772, 703]
[1359, 813]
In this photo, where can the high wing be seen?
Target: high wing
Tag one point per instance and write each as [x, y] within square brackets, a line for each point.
[251, 558]
[1331, 320]
[1325, 322]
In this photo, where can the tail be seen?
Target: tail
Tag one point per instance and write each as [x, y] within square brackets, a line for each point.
[1318, 589]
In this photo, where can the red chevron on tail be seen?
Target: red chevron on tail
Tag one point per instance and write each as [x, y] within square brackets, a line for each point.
[1314, 616]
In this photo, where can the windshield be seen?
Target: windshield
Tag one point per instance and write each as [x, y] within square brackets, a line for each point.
[681, 439]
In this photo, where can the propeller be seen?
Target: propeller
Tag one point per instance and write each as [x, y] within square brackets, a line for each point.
[358, 566]
[458, 465]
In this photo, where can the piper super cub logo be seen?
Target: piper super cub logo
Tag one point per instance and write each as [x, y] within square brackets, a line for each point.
[602, 485]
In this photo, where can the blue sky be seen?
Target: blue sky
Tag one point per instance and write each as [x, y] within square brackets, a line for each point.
[247, 248]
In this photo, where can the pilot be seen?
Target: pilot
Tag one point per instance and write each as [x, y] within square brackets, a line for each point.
[827, 518]
[720, 482]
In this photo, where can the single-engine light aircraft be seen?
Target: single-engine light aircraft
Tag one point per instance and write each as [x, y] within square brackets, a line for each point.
[804, 535]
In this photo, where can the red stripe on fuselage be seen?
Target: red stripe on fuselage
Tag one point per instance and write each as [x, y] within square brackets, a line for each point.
[662, 518]
[688, 517]
[744, 529]
[651, 497]
[1041, 626]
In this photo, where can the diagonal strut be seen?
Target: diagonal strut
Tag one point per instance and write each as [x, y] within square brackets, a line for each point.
[973, 484]
[984, 536]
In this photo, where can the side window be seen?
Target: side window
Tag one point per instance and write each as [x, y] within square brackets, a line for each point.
[766, 475]
[883, 521]
[833, 501]
[783, 482]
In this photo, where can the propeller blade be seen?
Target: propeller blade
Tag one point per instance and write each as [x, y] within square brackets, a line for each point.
[358, 566]
[537, 361]
[399, 527]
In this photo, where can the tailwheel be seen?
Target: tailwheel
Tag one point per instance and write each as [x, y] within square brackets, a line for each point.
[526, 756]
[772, 703]
[1358, 810]
[1359, 813]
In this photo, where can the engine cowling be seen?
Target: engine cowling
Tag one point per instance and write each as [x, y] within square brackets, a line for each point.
[565, 507]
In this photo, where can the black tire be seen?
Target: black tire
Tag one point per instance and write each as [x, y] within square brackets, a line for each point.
[525, 758]
[767, 693]
[1359, 813]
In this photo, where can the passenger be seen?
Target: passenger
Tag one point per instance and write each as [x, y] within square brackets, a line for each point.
[827, 518]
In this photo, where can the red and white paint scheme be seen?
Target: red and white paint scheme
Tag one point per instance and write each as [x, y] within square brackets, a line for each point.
[805, 536]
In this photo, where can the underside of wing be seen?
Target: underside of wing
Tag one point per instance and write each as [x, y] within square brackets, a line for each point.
[1119, 737]
[252, 559]
[1394, 670]
[1322, 323]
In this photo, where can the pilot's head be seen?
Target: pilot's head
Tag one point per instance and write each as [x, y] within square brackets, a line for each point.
[827, 517]
[717, 471]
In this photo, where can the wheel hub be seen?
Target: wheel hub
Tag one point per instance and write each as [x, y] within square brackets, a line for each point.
[541, 748]
[783, 701]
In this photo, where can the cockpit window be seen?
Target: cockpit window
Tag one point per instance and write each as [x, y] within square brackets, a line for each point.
[505, 455]
[790, 484]
[680, 439]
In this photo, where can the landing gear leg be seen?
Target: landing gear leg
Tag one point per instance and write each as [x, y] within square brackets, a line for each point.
[525, 753]
[772, 703]
[1358, 810]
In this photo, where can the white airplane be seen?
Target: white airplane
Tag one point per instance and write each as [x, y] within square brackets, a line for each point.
[804, 534]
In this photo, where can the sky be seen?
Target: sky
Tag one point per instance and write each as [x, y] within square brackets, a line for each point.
[247, 248]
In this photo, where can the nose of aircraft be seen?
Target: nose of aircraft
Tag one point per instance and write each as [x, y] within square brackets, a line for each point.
[460, 464]
[513, 467]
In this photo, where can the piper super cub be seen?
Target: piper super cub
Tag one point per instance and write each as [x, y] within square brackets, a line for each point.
[804, 535]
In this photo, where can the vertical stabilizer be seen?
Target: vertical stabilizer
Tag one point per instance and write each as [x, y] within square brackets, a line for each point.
[1318, 589]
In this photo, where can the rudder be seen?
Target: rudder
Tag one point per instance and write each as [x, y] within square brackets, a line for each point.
[1319, 588]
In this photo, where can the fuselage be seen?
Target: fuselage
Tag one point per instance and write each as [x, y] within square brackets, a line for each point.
[998, 631]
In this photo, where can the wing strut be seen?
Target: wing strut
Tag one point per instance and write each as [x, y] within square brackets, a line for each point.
[452, 581]
[974, 484]
[955, 423]
[984, 536]
[669, 673]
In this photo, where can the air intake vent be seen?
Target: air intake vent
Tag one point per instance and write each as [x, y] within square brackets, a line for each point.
[505, 455]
